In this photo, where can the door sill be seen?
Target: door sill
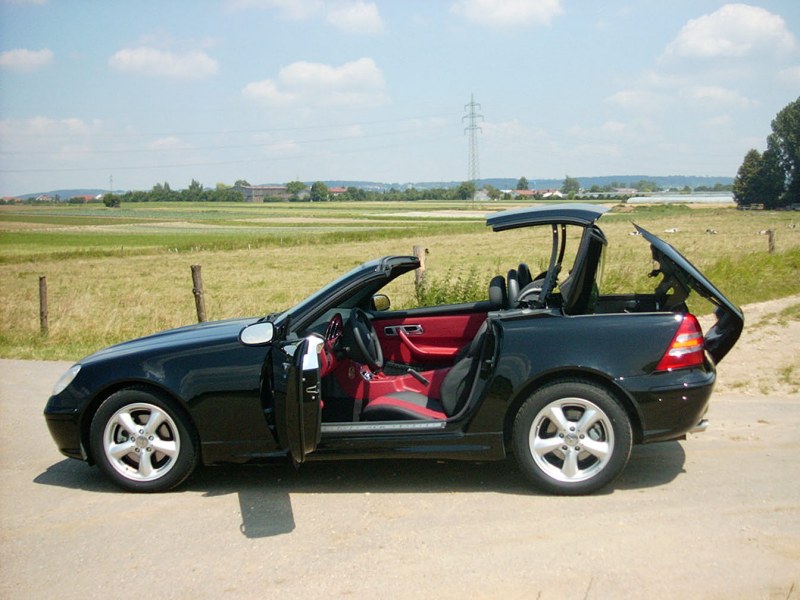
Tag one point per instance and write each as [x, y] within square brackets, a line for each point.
[383, 426]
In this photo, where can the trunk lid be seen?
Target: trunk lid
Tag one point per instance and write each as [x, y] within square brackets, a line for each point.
[681, 276]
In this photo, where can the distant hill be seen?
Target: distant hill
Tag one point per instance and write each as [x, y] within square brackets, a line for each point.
[67, 194]
[501, 183]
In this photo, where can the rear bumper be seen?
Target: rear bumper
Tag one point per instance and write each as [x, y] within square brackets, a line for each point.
[671, 404]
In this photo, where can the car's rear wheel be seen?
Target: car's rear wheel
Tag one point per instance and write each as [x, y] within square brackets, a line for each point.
[571, 437]
[143, 442]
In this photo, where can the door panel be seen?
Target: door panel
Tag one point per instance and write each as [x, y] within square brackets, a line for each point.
[299, 410]
[414, 337]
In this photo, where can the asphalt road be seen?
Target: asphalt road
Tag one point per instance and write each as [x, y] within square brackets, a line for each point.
[715, 516]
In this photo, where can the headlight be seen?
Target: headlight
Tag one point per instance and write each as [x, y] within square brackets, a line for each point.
[66, 379]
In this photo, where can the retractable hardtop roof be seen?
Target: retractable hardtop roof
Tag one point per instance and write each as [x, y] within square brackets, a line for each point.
[583, 215]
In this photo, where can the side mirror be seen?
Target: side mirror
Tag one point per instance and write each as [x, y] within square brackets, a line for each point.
[381, 302]
[257, 334]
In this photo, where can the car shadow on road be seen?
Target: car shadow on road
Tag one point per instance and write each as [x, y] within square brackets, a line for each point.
[264, 491]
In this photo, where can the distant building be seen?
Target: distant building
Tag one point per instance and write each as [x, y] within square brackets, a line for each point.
[336, 191]
[533, 194]
[262, 193]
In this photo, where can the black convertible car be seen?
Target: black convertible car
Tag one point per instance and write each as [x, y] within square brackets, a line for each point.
[547, 368]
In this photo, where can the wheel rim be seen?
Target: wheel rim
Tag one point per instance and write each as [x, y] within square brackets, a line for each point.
[571, 440]
[141, 442]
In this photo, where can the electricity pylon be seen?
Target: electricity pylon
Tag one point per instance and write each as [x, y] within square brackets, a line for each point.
[473, 118]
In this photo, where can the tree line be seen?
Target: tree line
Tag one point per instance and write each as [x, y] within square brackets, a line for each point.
[297, 191]
[772, 179]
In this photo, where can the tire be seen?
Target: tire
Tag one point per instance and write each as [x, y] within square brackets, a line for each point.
[143, 442]
[571, 438]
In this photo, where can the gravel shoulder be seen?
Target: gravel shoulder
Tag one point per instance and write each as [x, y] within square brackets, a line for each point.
[714, 516]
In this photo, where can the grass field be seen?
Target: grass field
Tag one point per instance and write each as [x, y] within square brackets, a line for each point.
[114, 274]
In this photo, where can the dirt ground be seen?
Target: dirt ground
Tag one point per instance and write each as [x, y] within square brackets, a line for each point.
[715, 516]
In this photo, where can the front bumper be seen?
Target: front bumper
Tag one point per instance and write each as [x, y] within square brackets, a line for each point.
[64, 428]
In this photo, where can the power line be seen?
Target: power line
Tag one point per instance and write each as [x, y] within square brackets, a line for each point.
[128, 134]
[370, 149]
[177, 149]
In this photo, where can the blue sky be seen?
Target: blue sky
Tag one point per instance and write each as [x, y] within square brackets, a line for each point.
[276, 90]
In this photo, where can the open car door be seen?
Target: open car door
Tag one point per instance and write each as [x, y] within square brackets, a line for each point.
[298, 412]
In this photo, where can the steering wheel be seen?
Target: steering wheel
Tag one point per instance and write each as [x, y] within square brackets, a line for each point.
[365, 338]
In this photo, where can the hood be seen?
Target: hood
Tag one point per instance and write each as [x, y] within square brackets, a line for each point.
[201, 334]
[677, 270]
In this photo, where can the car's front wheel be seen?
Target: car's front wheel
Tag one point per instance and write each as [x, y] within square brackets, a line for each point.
[143, 442]
[571, 437]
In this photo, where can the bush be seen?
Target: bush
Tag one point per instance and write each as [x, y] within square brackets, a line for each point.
[452, 288]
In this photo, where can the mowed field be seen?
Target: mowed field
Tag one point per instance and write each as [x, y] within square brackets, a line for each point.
[114, 274]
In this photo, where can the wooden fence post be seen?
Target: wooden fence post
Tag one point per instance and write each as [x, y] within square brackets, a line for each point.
[419, 275]
[44, 326]
[771, 240]
[197, 290]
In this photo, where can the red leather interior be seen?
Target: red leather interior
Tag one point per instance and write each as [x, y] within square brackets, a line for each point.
[353, 384]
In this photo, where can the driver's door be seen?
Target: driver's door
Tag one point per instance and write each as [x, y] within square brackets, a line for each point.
[298, 410]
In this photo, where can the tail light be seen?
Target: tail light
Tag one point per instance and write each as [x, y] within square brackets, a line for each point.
[686, 349]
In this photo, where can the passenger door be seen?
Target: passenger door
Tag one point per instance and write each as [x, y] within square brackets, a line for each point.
[298, 399]
[426, 336]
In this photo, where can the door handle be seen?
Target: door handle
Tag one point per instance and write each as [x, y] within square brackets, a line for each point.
[407, 329]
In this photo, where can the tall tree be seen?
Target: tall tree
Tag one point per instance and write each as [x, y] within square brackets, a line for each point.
[571, 186]
[522, 184]
[319, 192]
[465, 191]
[785, 143]
[773, 178]
[493, 192]
[295, 187]
[745, 185]
[771, 181]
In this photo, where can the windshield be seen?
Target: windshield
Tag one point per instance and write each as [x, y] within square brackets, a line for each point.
[320, 295]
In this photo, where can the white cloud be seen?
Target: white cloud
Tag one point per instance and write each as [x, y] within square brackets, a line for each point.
[637, 99]
[22, 59]
[348, 16]
[613, 127]
[508, 13]
[268, 92]
[169, 143]
[46, 126]
[355, 17]
[303, 84]
[734, 30]
[716, 96]
[192, 64]
[289, 9]
[718, 122]
[790, 76]
[58, 140]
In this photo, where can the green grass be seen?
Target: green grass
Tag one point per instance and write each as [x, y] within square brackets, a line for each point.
[115, 274]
